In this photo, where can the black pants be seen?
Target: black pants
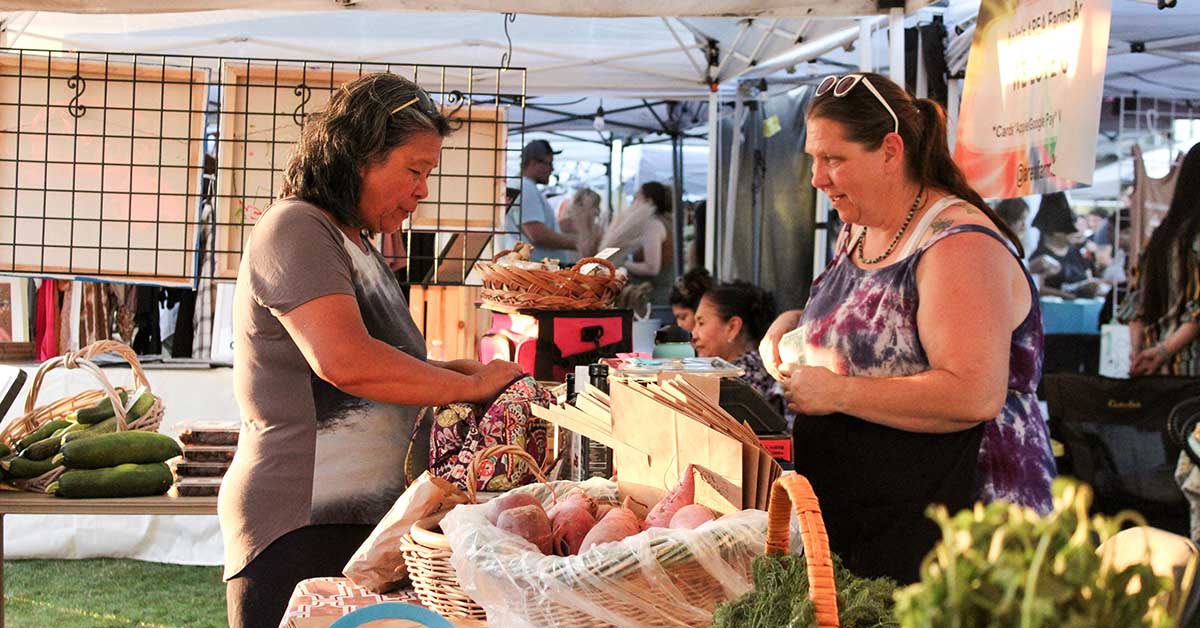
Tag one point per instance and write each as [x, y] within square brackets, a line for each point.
[257, 597]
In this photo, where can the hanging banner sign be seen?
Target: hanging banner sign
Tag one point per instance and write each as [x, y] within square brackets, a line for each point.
[1031, 103]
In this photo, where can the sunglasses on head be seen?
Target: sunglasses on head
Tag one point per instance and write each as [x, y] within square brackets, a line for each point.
[840, 86]
[424, 104]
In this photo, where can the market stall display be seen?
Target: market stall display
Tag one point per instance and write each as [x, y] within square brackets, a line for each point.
[810, 590]
[689, 427]
[653, 577]
[90, 435]
[426, 551]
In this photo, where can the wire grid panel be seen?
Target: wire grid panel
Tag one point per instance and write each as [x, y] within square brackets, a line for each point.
[264, 105]
[100, 165]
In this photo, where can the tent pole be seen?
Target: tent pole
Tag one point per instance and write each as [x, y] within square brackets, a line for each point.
[896, 36]
[729, 207]
[677, 164]
[866, 58]
[953, 100]
[713, 194]
[687, 50]
[757, 183]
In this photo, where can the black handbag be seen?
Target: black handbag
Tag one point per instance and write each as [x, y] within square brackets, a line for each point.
[1117, 437]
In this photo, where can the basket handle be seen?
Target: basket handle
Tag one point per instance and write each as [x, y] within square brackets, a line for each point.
[612, 270]
[82, 359]
[497, 451]
[496, 257]
[794, 492]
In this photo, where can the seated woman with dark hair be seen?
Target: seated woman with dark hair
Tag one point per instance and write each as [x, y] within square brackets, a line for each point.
[730, 320]
[685, 296]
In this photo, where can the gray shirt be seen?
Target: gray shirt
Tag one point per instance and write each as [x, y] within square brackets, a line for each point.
[531, 206]
[308, 453]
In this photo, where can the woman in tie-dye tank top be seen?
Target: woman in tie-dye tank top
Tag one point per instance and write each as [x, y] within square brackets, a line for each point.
[921, 343]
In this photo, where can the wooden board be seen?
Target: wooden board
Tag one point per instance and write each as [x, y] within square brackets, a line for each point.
[114, 192]
[448, 314]
[23, 503]
[262, 108]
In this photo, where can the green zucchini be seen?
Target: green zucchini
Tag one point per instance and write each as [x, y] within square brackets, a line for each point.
[5, 450]
[43, 449]
[125, 480]
[24, 469]
[110, 450]
[43, 432]
[102, 410]
[107, 426]
[140, 407]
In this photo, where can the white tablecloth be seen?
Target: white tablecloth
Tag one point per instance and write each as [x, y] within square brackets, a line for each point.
[188, 394]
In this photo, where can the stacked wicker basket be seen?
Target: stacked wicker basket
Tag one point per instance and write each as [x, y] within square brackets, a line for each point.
[510, 286]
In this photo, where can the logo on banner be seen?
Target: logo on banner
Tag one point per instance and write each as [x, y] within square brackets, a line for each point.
[1031, 103]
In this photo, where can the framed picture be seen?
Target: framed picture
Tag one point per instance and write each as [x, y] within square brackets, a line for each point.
[14, 310]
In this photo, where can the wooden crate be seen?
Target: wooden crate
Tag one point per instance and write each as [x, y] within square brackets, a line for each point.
[448, 314]
[112, 192]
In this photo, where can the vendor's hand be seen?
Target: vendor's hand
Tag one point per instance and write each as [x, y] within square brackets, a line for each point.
[769, 348]
[492, 378]
[466, 367]
[812, 390]
[1149, 362]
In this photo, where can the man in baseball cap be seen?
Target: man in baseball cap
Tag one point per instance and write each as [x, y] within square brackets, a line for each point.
[531, 218]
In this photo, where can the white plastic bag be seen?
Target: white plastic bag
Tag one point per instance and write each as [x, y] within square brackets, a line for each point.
[659, 577]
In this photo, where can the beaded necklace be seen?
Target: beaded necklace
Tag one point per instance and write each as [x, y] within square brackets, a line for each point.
[912, 211]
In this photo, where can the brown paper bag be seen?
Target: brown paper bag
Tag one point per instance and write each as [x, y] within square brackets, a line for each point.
[378, 564]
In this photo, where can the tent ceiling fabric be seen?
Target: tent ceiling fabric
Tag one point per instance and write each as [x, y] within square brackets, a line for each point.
[611, 8]
[632, 57]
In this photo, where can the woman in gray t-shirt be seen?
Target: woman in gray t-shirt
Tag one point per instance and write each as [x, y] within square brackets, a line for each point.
[329, 367]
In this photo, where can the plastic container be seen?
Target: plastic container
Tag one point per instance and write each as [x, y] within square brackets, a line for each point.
[208, 433]
[1077, 316]
[201, 469]
[199, 453]
[198, 487]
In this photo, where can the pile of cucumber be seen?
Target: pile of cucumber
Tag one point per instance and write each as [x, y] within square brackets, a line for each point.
[99, 461]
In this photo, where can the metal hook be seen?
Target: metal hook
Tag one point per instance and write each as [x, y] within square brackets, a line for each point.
[78, 84]
[506, 58]
[305, 95]
[455, 96]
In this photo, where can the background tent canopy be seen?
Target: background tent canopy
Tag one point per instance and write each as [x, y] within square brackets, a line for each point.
[612, 8]
[659, 57]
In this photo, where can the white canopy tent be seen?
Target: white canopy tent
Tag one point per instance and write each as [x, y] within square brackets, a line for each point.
[639, 57]
[613, 50]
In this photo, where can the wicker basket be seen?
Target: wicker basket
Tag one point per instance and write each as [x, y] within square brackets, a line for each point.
[427, 552]
[625, 580]
[793, 492]
[35, 417]
[565, 289]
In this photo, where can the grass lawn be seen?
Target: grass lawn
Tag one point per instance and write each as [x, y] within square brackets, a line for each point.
[107, 593]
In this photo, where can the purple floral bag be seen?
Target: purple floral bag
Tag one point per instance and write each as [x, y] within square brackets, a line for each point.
[461, 429]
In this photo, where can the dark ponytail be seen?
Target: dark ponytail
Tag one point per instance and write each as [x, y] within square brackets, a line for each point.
[923, 129]
[755, 306]
[935, 167]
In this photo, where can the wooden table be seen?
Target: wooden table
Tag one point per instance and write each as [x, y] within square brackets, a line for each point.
[21, 503]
